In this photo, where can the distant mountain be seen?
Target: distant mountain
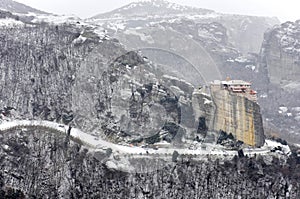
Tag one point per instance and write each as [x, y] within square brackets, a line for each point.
[217, 46]
[244, 32]
[206, 39]
[152, 8]
[18, 8]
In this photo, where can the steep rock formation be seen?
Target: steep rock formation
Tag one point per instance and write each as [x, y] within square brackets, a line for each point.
[280, 53]
[38, 69]
[239, 116]
[279, 61]
[230, 113]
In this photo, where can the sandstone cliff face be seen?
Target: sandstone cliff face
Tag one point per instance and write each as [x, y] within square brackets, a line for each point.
[231, 113]
[239, 116]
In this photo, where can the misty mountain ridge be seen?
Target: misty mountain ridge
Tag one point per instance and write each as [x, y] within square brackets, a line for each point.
[244, 32]
[18, 8]
[152, 8]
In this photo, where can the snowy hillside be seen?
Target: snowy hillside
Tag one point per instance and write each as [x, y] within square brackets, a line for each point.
[18, 8]
[152, 8]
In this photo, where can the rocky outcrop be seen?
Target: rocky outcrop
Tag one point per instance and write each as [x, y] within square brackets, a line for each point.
[231, 113]
[239, 116]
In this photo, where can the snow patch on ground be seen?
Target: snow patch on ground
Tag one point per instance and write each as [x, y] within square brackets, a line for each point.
[133, 5]
[57, 19]
[79, 40]
[207, 101]
[177, 91]
[270, 144]
[297, 109]
[283, 109]
[292, 86]
[241, 59]
[206, 16]
[6, 147]
[143, 36]
[252, 67]
[177, 79]
[205, 34]
[297, 145]
[118, 25]
[10, 22]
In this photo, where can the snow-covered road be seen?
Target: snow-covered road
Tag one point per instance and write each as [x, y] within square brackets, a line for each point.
[99, 144]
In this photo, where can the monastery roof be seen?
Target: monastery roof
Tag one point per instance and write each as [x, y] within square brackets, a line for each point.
[232, 82]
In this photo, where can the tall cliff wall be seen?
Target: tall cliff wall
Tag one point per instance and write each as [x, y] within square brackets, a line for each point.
[231, 113]
[280, 53]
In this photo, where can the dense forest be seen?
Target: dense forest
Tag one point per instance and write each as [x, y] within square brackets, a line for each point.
[37, 163]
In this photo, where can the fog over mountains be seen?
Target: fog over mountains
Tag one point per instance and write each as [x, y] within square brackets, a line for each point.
[125, 104]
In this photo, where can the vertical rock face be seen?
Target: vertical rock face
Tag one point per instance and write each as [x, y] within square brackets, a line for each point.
[281, 53]
[45, 69]
[279, 62]
[231, 113]
[69, 74]
[239, 116]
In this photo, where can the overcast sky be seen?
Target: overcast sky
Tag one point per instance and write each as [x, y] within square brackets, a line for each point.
[283, 9]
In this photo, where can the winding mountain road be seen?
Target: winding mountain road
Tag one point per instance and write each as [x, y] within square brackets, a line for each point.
[96, 143]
